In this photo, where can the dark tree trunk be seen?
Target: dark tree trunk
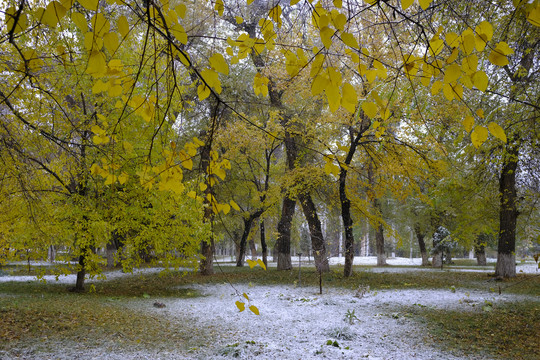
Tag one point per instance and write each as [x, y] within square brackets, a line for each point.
[206, 265]
[253, 249]
[81, 273]
[283, 242]
[315, 230]
[347, 224]
[422, 245]
[248, 223]
[379, 236]
[264, 247]
[379, 244]
[508, 213]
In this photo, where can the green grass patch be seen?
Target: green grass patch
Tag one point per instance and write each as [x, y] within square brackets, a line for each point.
[506, 331]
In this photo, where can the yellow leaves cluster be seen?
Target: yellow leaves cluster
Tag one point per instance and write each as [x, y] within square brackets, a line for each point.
[260, 85]
[479, 134]
[242, 306]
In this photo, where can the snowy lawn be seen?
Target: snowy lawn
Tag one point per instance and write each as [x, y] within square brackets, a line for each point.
[196, 318]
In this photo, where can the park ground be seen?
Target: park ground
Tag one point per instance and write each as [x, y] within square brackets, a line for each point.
[402, 311]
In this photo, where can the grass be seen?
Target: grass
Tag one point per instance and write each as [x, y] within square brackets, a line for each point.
[34, 312]
[506, 331]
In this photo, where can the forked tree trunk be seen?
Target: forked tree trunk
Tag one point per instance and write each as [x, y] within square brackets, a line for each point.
[315, 231]
[284, 235]
[508, 213]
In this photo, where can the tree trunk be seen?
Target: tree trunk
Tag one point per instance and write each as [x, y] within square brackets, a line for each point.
[243, 242]
[508, 213]
[480, 253]
[253, 249]
[422, 245]
[283, 242]
[437, 260]
[379, 242]
[379, 236]
[315, 230]
[347, 223]
[206, 264]
[81, 273]
[264, 247]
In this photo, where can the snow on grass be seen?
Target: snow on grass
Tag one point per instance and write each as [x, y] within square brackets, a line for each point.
[298, 323]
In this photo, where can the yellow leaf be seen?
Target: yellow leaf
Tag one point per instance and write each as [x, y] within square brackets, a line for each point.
[333, 96]
[330, 168]
[452, 39]
[480, 113]
[179, 33]
[219, 7]
[192, 194]
[370, 109]
[468, 123]
[453, 56]
[437, 86]
[181, 10]
[53, 13]
[212, 79]
[480, 80]
[534, 18]
[239, 19]
[468, 42]
[110, 40]
[225, 208]
[497, 131]
[293, 2]
[203, 186]
[349, 40]
[251, 263]
[448, 92]
[97, 64]
[349, 94]
[261, 263]
[80, 21]
[123, 26]
[424, 4]
[405, 4]
[254, 309]
[470, 64]
[479, 136]
[100, 24]
[123, 178]
[326, 36]
[89, 4]
[240, 305]
[217, 61]
[275, 14]
[11, 15]
[435, 46]
[339, 20]
[234, 205]
[498, 56]
[452, 73]
[245, 296]
[485, 28]
[203, 91]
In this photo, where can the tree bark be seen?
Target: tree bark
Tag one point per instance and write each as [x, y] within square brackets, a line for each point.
[508, 213]
[264, 247]
[422, 245]
[437, 260]
[347, 223]
[379, 236]
[206, 264]
[81, 273]
[480, 253]
[248, 223]
[283, 241]
[315, 230]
